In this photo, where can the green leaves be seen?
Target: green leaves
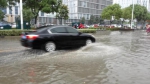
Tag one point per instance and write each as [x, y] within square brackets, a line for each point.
[127, 13]
[27, 14]
[1, 15]
[3, 3]
[92, 19]
[82, 20]
[47, 6]
[140, 12]
[62, 12]
[148, 16]
[112, 10]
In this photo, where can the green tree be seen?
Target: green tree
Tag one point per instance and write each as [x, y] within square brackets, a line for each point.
[1, 15]
[140, 12]
[47, 6]
[92, 19]
[3, 4]
[148, 16]
[101, 21]
[127, 13]
[27, 15]
[97, 20]
[62, 12]
[112, 10]
[82, 20]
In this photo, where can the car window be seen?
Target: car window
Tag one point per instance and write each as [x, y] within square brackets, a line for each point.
[71, 30]
[41, 29]
[58, 30]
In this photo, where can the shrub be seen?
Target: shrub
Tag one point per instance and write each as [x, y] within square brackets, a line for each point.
[18, 32]
[11, 32]
[87, 30]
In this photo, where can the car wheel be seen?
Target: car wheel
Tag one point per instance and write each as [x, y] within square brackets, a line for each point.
[88, 41]
[50, 46]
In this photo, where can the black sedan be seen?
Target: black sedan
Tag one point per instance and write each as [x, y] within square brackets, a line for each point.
[51, 38]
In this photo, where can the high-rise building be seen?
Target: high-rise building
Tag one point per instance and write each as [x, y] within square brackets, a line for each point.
[85, 8]
[14, 12]
[126, 3]
[11, 13]
[77, 10]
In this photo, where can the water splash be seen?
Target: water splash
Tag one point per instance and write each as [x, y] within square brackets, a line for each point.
[99, 49]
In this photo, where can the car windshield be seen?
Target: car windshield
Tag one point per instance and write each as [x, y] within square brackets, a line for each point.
[41, 29]
[71, 30]
[58, 30]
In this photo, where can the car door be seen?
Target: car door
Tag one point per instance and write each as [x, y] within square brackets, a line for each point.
[60, 36]
[76, 37]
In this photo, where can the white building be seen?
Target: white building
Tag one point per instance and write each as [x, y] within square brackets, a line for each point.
[14, 11]
[126, 3]
[85, 8]
[77, 10]
[11, 13]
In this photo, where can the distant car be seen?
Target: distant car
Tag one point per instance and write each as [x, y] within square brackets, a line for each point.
[4, 25]
[86, 26]
[13, 25]
[40, 24]
[119, 26]
[54, 37]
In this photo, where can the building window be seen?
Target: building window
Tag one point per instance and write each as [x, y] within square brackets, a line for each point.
[88, 16]
[80, 3]
[16, 10]
[10, 11]
[42, 14]
[4, 10]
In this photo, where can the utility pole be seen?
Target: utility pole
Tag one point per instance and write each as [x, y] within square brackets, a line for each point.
[132, 14]
[21, 14]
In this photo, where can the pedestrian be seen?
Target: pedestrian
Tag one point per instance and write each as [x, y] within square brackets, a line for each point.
[80, 26]
[148, 28]
[76, 26]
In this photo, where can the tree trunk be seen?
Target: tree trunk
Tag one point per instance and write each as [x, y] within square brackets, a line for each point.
[144, 22]
[61, 21]
[35, 21]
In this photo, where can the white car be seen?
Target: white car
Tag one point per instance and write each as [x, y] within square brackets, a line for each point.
[13, 25]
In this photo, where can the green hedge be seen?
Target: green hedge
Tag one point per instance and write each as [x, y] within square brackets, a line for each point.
[106, 28]
[87, 30]
[17, 32]
[11, 32]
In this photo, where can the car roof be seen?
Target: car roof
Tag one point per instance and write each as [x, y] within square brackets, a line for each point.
[52, 26]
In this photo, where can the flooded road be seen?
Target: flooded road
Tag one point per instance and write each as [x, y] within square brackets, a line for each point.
[116, 58]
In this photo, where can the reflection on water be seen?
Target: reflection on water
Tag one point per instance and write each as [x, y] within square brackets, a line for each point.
[116, 58]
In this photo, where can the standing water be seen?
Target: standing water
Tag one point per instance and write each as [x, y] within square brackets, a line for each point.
[116, 58]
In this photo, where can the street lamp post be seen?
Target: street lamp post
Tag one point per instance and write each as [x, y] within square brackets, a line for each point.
[112, 18]
[135, 22]
[132, 15]
[74, 13]
[121, 22]
[21, 15]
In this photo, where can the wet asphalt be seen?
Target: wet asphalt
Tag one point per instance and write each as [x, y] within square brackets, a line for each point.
[116, 58]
